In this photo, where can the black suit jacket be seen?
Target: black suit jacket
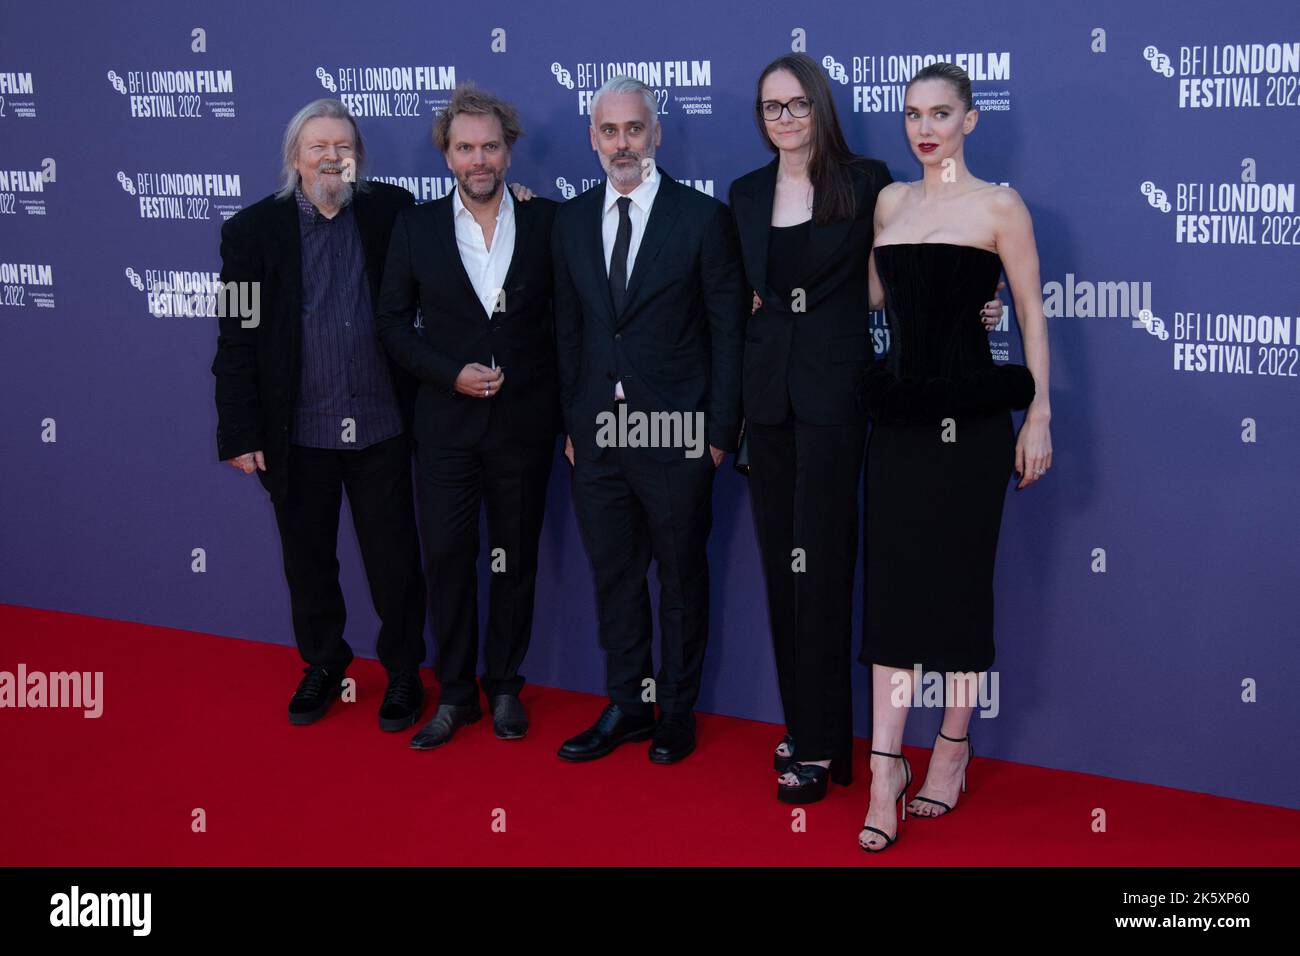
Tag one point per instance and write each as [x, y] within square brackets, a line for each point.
[258, 368]
[810, 360]
[677, 344]
[424, 270]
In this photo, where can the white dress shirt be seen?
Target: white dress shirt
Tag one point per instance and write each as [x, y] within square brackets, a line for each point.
[643, 199]
[486, 267]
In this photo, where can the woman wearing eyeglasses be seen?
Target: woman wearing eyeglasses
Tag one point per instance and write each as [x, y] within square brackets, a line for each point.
[806, 228]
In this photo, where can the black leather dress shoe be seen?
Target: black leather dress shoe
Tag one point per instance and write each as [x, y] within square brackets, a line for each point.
[674, 738]
[316, 691]
[403, 701]
[509, 719]
[615, 726]
[444, 723]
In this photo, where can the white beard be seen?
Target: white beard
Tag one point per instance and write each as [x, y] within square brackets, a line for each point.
[327, 191]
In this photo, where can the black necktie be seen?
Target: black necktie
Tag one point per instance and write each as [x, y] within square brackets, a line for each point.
[618, 261]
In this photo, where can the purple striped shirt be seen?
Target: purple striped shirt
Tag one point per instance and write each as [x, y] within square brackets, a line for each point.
[344, 371]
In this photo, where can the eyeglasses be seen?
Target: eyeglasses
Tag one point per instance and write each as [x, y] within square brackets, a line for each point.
[771, 110]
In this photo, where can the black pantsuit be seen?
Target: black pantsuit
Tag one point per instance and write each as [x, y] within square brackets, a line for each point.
[803, 486]
[377, 480]
[804, 355]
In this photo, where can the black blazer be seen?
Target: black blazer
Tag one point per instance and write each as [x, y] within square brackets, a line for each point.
[424, 270]
[810, 360]
[677, 344]
[258, 368]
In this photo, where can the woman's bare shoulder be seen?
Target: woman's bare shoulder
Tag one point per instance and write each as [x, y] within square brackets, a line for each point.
[890, 197]
[895, 189]
[1003, 201]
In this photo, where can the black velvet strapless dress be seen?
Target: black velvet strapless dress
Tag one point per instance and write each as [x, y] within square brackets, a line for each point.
[939, 460]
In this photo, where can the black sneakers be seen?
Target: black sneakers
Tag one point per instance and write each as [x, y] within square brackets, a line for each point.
[320, 686]
[315, 693]
[403, 701]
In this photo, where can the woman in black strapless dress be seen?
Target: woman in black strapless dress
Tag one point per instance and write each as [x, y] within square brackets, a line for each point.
[941, 454]
[942, 447]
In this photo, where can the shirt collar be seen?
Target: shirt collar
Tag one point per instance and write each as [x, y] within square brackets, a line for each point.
[507, 207]
[642, 197]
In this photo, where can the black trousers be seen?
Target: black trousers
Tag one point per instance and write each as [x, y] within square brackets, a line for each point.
[507, 476]
[632, 508]
[803, 484]
[378, 483]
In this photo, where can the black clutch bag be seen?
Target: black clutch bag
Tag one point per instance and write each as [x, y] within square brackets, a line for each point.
[741, 462]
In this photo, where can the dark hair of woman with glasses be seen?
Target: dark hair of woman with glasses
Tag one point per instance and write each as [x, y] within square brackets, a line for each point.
[806, 228]
[827, 154]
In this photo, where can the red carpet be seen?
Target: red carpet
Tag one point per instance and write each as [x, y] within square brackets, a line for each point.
[193, 720]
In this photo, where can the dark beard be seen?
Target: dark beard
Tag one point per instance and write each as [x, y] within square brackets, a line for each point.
[481, 196]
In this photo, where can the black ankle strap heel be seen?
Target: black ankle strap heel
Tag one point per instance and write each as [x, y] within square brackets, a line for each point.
[890, 841]
[970, 755]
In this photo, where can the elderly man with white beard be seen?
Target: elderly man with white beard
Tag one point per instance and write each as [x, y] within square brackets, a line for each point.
[307, 399]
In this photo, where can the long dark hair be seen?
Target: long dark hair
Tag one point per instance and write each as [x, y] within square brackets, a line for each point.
[830, 156]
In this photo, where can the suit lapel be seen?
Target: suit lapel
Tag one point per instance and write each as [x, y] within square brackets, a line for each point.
[445, 225]
[365, 213]
[523, 229]
[663, 216]
[594, 251]
[291, 251]
[826, 240]
[754, 222]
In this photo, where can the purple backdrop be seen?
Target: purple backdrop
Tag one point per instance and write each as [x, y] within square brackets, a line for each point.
[1154, 145]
